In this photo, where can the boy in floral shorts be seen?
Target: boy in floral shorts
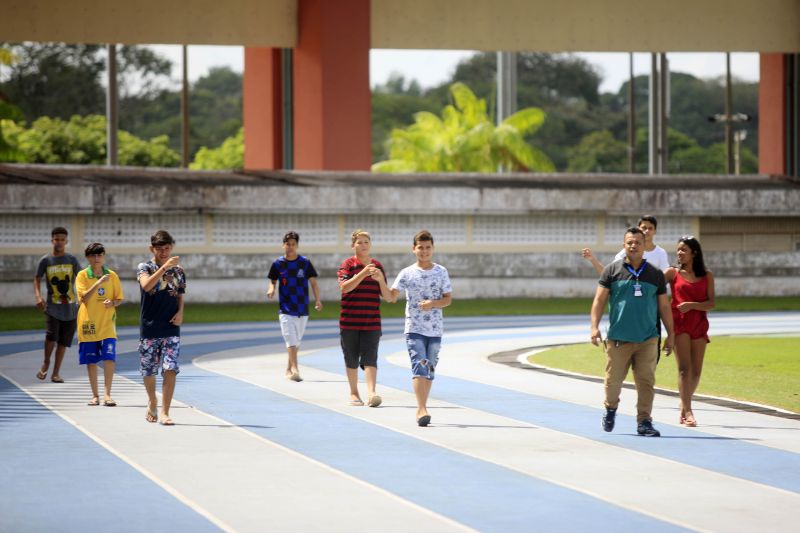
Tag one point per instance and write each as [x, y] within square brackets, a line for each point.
[162, 283]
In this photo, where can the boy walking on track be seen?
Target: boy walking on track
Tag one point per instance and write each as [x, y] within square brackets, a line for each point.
[428, 291]
[100, 293]
[59, 270]
[162, 284]
[362, 281]
[294, 273]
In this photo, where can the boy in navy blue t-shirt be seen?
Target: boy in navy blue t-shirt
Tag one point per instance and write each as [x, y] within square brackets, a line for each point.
[162, 284]
[294, 273]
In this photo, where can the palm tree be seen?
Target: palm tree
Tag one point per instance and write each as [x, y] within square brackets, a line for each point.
[464, 139]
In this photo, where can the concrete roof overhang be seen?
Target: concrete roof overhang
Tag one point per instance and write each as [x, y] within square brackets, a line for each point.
[539, 25]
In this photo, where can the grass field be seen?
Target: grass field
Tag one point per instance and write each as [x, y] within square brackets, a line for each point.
[23, 318]
[764, 370]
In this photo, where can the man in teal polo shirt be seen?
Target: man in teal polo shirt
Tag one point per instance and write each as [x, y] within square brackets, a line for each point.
[637, 294]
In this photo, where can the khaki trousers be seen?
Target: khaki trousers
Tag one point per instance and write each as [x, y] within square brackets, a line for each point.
[619, 358]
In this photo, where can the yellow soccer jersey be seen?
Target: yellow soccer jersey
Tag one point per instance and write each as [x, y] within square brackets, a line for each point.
[95, 321]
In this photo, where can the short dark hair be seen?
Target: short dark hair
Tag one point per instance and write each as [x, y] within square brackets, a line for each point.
[291, 235]
[94, 249]
[648, 218]
[423, 235]
[634, 230]
[58, 231]
[161, 237]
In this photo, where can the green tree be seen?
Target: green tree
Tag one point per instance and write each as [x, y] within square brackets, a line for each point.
[598, 151]
[8, 111]
[60, 80]
[215, 111]
[82, 141]
[228, 156]
[464, 139]
[564, 86]
[692, 101]
[393, 106]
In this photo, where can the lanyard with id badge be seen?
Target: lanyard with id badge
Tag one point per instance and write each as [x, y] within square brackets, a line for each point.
[637, 287]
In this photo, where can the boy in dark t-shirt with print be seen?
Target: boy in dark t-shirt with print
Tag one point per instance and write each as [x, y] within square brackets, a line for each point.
[294, 273]
[162, 284]
[59, 270]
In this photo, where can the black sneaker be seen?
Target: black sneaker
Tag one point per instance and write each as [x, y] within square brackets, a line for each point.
[646, 429]
[608, 419]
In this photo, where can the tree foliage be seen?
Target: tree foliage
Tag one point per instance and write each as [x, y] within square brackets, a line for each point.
[598, 151]
[567, 89]
[62, 80]
[228, 156]
[464, 139]
[82, 141]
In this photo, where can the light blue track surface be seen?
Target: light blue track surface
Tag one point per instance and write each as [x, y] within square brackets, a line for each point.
[57, 478]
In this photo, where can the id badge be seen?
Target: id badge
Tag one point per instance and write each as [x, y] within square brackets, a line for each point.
[637, 289]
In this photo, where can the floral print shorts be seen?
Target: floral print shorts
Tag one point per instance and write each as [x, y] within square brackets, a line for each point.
[162, 352]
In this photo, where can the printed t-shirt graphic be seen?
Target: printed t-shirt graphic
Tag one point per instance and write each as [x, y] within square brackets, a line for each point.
[95, 321]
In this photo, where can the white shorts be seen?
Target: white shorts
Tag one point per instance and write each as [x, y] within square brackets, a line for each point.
[292, 328]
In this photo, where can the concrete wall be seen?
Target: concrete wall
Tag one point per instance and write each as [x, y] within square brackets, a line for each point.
[509, 235]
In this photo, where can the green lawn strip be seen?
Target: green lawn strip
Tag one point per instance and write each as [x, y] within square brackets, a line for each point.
[763, 370]
[25, 318]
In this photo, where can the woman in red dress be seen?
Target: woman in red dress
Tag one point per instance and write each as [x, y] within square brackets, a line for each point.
[692, 295]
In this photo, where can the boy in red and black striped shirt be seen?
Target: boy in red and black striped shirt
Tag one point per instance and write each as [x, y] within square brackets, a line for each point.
[362, 281]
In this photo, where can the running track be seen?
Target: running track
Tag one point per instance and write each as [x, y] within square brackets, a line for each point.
[509, 448]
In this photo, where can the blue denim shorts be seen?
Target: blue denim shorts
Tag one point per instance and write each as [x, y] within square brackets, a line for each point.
[424, 354]
[159, 353]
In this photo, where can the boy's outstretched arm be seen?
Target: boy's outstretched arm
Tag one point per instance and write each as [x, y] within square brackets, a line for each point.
[589, 256]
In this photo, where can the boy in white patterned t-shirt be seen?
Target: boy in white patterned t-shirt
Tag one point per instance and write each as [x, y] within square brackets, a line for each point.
[428, 290]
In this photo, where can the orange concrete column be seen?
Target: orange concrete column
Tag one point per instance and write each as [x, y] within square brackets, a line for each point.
[772, 115]
[332, 101]
[263, 133]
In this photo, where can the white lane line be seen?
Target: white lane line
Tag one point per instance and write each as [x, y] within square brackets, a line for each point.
[500, 454]
[141, 469]
[444, 523]
[466, 359]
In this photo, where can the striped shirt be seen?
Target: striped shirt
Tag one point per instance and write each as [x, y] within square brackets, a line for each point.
[360, 308]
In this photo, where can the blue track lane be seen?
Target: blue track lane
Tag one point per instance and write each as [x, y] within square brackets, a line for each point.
[85, 486]
[96, 487]
[481, 495]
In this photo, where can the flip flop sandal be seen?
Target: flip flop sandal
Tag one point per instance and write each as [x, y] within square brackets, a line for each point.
[94, 401]
[41, 375]
[109, 403]
[57, 379]
[166, 422]
[356, 403]
[151, 417]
